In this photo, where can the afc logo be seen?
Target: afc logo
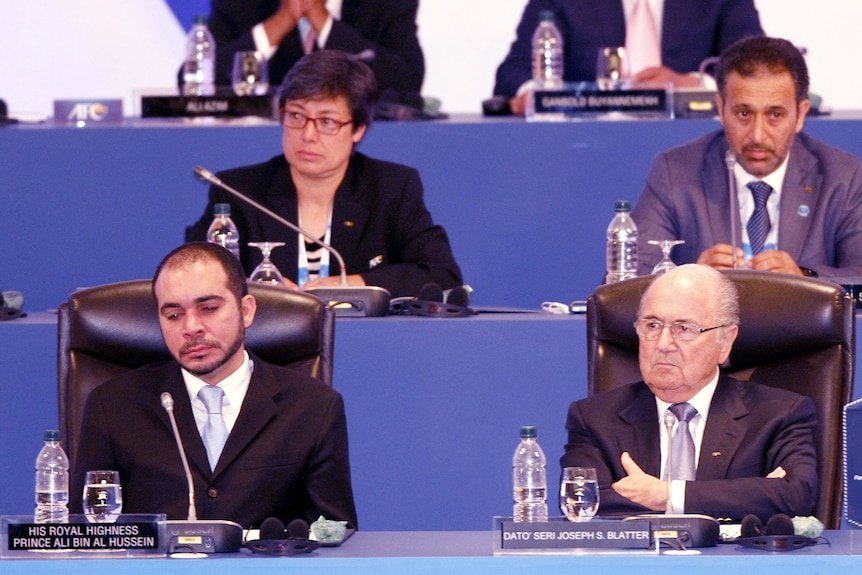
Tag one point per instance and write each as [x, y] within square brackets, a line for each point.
[83, 112]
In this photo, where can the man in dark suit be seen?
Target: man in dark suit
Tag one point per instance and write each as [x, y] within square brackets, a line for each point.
[382, 32]
[286, 452]
[751, 446]
[371, 211]
[810, 221]
[690, 32]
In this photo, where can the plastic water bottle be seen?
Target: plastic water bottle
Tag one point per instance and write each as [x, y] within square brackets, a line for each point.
[52, 481]
[223, 231]
[547, 53]
[199, 66]
[529, 479]
[622, 246]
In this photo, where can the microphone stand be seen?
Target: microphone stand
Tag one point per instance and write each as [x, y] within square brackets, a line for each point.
[730, 160]
[371, 301]
[668, 424]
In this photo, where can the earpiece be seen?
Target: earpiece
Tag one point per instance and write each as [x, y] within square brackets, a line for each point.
[779, 534]
[276, 540]
[429, 303]
[780, 524]
[751, 526]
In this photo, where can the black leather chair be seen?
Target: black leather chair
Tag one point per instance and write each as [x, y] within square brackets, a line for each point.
[107, 330]
[795, 333]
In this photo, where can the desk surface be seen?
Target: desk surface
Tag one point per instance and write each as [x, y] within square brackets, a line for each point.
[382, 553]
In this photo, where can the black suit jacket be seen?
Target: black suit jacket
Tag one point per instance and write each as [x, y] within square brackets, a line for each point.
[751, 429]
[386, 28]
[380, 224]
[285, 457]
[692, 30]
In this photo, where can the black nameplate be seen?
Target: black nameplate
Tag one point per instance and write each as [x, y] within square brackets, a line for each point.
[82, 536]
[596, 533]
[227, 106]
[574, 102]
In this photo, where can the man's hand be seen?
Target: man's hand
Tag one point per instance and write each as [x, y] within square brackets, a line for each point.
[661, 76]
[720, 256]
[775, 261]
[649, 491]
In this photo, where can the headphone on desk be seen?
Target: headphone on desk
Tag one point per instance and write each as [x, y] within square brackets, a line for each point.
[778, 534]
[429, 302]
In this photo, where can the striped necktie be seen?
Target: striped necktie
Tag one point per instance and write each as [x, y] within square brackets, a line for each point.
[758, 224]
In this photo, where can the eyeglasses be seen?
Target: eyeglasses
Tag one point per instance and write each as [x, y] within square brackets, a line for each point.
[298, 121]
[651, 329]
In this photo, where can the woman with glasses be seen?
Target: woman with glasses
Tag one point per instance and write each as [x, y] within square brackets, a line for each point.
[369, 210]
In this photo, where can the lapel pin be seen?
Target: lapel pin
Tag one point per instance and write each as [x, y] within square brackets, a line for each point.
[803, 211]
[808, 189]
[348, 223]
[716, 454]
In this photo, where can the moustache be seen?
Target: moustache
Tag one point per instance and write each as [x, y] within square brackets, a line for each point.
[757, 148]
[196, 342]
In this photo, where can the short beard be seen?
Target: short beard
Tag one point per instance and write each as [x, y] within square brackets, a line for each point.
[236, 346]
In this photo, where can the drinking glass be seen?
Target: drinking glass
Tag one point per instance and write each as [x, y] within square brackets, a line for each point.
[266, 272]
[250, 74]
[103, 496]
[579, 493]
[666, 264]
[612, 68]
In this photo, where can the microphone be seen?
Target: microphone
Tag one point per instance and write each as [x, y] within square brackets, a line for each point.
[730, 160]
[369, 301]
[193, 535]
[668, 424]
[679, 530]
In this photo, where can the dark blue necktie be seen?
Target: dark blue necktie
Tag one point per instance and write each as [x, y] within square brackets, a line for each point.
[758, 224]
[682, 445]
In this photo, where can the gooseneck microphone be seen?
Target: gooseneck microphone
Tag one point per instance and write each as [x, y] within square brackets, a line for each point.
[345, 300]
[669, 419]
[730, 160]
[168, 404]
[194, 535]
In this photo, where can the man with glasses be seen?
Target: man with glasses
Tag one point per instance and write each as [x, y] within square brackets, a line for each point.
[737, 447]
[371, 211]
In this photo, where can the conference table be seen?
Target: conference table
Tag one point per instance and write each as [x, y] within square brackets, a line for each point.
[471, 552]
[433, 405]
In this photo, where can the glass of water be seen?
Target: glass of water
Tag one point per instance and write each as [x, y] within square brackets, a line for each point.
[103, 496]
[579, 493]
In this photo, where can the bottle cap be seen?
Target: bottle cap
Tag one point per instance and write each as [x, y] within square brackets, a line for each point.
[528, 432]
[52, 435]
[221, 209]
[546, 15]
[201, 19]
[622, 206]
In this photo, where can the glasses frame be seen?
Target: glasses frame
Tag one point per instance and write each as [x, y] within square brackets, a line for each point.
[319, 123]
[676, 328]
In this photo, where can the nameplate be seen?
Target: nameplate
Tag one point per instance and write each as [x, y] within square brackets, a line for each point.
[572, 102]
[224, 106]
[597, 533]
[84, 112]
[133, 535]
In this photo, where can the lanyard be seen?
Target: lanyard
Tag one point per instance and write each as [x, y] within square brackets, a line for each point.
[303, 275]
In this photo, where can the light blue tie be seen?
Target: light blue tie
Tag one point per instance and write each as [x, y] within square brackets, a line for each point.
[758, 224]
[215, 430]
[682, 445]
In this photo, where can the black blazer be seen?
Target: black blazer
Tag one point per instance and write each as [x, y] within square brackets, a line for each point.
[692, 30]
[380, 224]
[751, 429]
[385, 27]
[285, 457]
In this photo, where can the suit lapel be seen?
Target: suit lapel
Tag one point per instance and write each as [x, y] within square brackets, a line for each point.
[799, 194]
[258, 408]
[640, 438]
[725, 429]
[349, 216]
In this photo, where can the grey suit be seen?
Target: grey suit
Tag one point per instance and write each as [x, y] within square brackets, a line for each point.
[751, 429]
[820, 222]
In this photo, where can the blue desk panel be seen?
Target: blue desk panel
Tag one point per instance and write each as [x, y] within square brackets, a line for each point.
[433, 410]
[470, 553]
[525, 204]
